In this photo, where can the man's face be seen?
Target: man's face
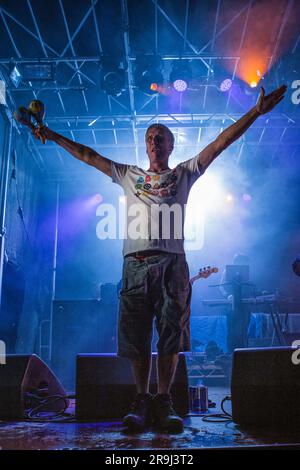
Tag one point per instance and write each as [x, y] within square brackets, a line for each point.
[158, 143]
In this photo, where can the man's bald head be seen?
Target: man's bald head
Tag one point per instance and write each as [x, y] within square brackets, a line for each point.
[163, 128]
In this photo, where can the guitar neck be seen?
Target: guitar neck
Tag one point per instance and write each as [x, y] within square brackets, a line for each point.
[203, 274]
[193, 279]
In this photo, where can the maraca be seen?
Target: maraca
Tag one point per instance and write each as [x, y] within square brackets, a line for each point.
[37, 110]
[23, 116]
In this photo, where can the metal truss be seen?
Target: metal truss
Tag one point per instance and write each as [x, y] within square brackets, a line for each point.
[134, 117]
[123, 121]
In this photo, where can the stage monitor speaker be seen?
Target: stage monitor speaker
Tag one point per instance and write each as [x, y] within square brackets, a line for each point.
[105, 387]
[21, 375]
[80, 326]
[265, 387]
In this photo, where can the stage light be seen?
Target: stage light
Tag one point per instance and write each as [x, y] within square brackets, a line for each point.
[226, 85]
[98, 198]
[149, 81]
[255, 79]
[112, 76]
[211, 192]
[180, 85]
[180, 76]
[38, 71]
[154, 86]
[113, 82]
[229, 198]
[148, 76]
[16, 76]
[250, 88]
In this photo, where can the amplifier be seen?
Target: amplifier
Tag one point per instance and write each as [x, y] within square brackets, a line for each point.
[105, 388]
[80, 326]
[265, 387]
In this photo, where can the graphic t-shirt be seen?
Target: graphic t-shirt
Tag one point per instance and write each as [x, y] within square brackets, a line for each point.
[155, 205]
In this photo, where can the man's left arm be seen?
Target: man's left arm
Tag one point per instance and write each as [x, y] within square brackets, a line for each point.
[265, 103]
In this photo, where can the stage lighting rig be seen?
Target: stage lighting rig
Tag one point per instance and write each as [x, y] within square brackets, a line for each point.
[16, 76]
[180, 76]
[225, 85]
[32, 71]
[113, 77]
[148, 75]
[41, 71]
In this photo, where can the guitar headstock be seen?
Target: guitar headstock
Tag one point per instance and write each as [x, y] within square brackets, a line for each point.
[207, 271]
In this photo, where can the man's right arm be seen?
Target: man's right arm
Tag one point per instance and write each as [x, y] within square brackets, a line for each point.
[79, 151]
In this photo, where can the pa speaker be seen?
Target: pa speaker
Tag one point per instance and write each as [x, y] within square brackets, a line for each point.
[265, 387]
[22, 376]
[81, 326]
[105, 388]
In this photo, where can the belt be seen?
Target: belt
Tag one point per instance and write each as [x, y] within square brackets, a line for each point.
[145, 254]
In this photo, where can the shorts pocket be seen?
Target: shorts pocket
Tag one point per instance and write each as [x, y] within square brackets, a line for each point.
[134, 278]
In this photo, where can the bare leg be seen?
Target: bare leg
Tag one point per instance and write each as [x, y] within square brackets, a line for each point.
[166, 367]
[140, 414]
[141, 371]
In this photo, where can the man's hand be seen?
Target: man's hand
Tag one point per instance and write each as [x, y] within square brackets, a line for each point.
[43, 133]
[233, 132]
[266, 103]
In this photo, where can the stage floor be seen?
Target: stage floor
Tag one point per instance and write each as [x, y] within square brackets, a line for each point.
[23, 435]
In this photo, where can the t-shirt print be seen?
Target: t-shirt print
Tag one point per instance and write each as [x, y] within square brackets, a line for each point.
[157, 185]
[150, 191]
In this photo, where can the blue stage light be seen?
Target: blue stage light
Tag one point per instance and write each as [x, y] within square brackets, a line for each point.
[180, 76]
[226, 84]
[180, 85]
[16, 76]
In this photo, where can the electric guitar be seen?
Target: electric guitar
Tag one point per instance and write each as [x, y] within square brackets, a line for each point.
[204, 273]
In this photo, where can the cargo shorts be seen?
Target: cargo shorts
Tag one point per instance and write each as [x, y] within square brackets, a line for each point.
[155, 286]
